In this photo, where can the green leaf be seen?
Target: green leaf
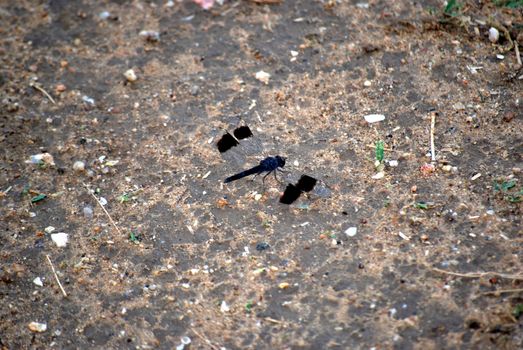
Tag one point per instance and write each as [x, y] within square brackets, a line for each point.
[133, 238]
[518, 310]
[38, 198]
[248, 306]
[126, 197]
[421, 205]
[452, 7]
[380, 151]
[516, 197]
[507, 185]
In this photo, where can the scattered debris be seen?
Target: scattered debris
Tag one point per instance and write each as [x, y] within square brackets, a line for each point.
[41, 158]
[38, 198]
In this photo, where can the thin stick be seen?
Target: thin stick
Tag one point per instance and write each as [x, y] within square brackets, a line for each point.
[432, 127]
[503, 291]
[105, 211]
[41, 89]
[516, 48]
[56, 276]
[204, 339]
[269, 319]
[479, 274]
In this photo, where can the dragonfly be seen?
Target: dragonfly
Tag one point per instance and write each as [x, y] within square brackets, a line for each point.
[228, 143]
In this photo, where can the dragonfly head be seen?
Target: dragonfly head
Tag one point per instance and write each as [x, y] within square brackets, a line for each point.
[281, 161]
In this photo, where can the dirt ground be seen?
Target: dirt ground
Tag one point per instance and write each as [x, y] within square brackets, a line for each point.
[404, 254]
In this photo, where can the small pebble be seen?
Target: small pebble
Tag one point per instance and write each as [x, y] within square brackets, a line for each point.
[37, 327]
[367, 83]
[393, 163]
[351, 231]
[195, 89]
[130, 75]
[500, 57]
[262, 246]
[79, 166]
[374, 118]
[150, 35]
[283, 285]
[60, 239]
[263, 77]
[379, 175]
[38, 282]
[493, 35]
[49, 229]
[60, 88]
[224, 307]
[88, 212]
[447, 168]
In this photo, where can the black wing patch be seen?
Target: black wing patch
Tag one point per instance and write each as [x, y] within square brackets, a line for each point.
[228, 141]
[305, 184]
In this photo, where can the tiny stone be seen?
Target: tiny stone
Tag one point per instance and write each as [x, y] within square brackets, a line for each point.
[500, 57]
[49, 229]
[37, 327]
[150, 35]
[351, 231]
[88, 212]
[367, 83]
[130, 75]
[493, 35]
[38, 282]
[393, 163]
[60, 239]
[60, 88]
[79, 166]
[447, 168]
[195, 89]
[374, 118]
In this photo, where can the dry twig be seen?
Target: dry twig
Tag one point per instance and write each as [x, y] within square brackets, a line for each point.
[432, 130]
[204, 339]
[105, 211]
[479, 274]
[503, 291]
[518, 56]
[41, 89]
[56, 276]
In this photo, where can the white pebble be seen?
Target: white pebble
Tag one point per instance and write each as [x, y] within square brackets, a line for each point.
[38, 282]
[367, 83]
[263, 77]
[493, 35]
[103, 201]
[130, 75]
[379, 175]
[351, 231]
[49, 229]
[393, 163]
[60, 239]
[37, 327]
[224, 307]
[374, 118]
[79, 166]
[88, 212]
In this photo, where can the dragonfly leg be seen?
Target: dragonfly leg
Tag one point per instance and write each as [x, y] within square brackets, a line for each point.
[263, 180]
